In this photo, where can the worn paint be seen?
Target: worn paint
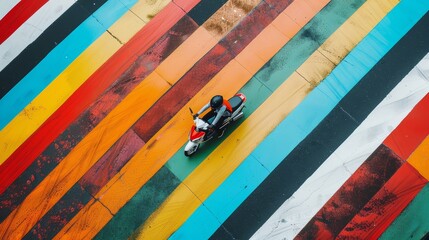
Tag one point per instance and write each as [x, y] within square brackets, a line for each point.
[332, 136]
[30, 31]
[17, 16]
[353, 195]
[412, 223]
[46, 42]
[81, 193]
[377, 214]
[297, 211]
[144, 64]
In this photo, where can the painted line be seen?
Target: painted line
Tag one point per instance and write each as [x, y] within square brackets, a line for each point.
[173, 13]
[58, 91]
[48, 145]
[214, 53]
[370, 207]
[124, 223]
[186, 5]
[349, 199]
[330, 176]
[84, 146]
[203, 70]
[276, 39]
[31, 30]
[76, 198]
[197, 42]
[420, 161]
[219, 164]
[282, 65]
[46, 42]
[21, 98]
[63, 146]
[387, 204]
[6, 6]
[17, 16]
[412, 223]
[242, 181]
[201, 12]
[65, 175]
[413, 130]
[300, 160]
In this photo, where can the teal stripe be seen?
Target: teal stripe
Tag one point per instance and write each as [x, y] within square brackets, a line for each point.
[413, 222]
[275, 71]
[60, 58]
[140, 207]
[303, 119]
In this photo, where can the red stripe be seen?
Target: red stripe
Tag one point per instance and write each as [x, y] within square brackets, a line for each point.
[186, 5]
[412, 130]
[364, 184]
[386, 205]
[88, 93]
[353, 195]
[17, 16]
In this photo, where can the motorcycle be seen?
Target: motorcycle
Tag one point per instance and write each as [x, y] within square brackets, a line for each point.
[201, 131]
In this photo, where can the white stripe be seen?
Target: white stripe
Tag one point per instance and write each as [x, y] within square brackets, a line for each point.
[6, 6]
[31, 29]
[298, 210]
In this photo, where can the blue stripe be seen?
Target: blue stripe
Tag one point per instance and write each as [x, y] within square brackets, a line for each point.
[302, 120]
[60, 58]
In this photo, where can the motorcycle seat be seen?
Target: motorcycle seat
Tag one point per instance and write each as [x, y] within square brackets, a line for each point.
[235, 102]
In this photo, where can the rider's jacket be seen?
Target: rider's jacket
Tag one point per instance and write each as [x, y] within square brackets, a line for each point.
[224, 111]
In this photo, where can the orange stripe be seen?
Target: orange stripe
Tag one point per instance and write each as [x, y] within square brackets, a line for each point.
[115, 125]
[174, 134]
[419, 159]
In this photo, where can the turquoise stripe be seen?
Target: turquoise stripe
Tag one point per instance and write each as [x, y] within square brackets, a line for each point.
[413, 222]
[60, 58]
[302, 120]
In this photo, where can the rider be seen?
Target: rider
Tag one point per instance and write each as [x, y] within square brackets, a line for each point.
[221, 108]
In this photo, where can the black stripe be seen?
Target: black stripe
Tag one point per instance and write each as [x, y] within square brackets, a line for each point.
[48, 40]
[328, 135]
[205, 9]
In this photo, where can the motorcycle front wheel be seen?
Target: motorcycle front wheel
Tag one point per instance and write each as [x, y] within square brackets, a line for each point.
[192, 150]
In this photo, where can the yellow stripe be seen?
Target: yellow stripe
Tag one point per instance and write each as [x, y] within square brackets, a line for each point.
[99, 140]
[170, 138]
[224, 159]
[59, 90]
[419, 159]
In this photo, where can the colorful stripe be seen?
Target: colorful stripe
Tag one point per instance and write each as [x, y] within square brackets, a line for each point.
[301, 207]
[241, 175]
[6, 6]
[46, 42]
[412, 223]
[17, 16]
[300, 160]
[21, 100]
[31, 30]
[217, 165]
[95, 150]
[378, 213]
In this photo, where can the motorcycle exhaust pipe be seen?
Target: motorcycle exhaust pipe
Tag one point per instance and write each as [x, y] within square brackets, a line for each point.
[238, 116]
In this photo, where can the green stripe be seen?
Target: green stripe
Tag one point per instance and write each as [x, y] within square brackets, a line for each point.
[275, 72]
[257, 90]
[413, 223]
[141, 206]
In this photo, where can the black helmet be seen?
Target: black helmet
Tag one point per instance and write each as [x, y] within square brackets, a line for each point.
[216, 101]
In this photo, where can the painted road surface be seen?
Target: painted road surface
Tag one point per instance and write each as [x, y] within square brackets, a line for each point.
[94, 116]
